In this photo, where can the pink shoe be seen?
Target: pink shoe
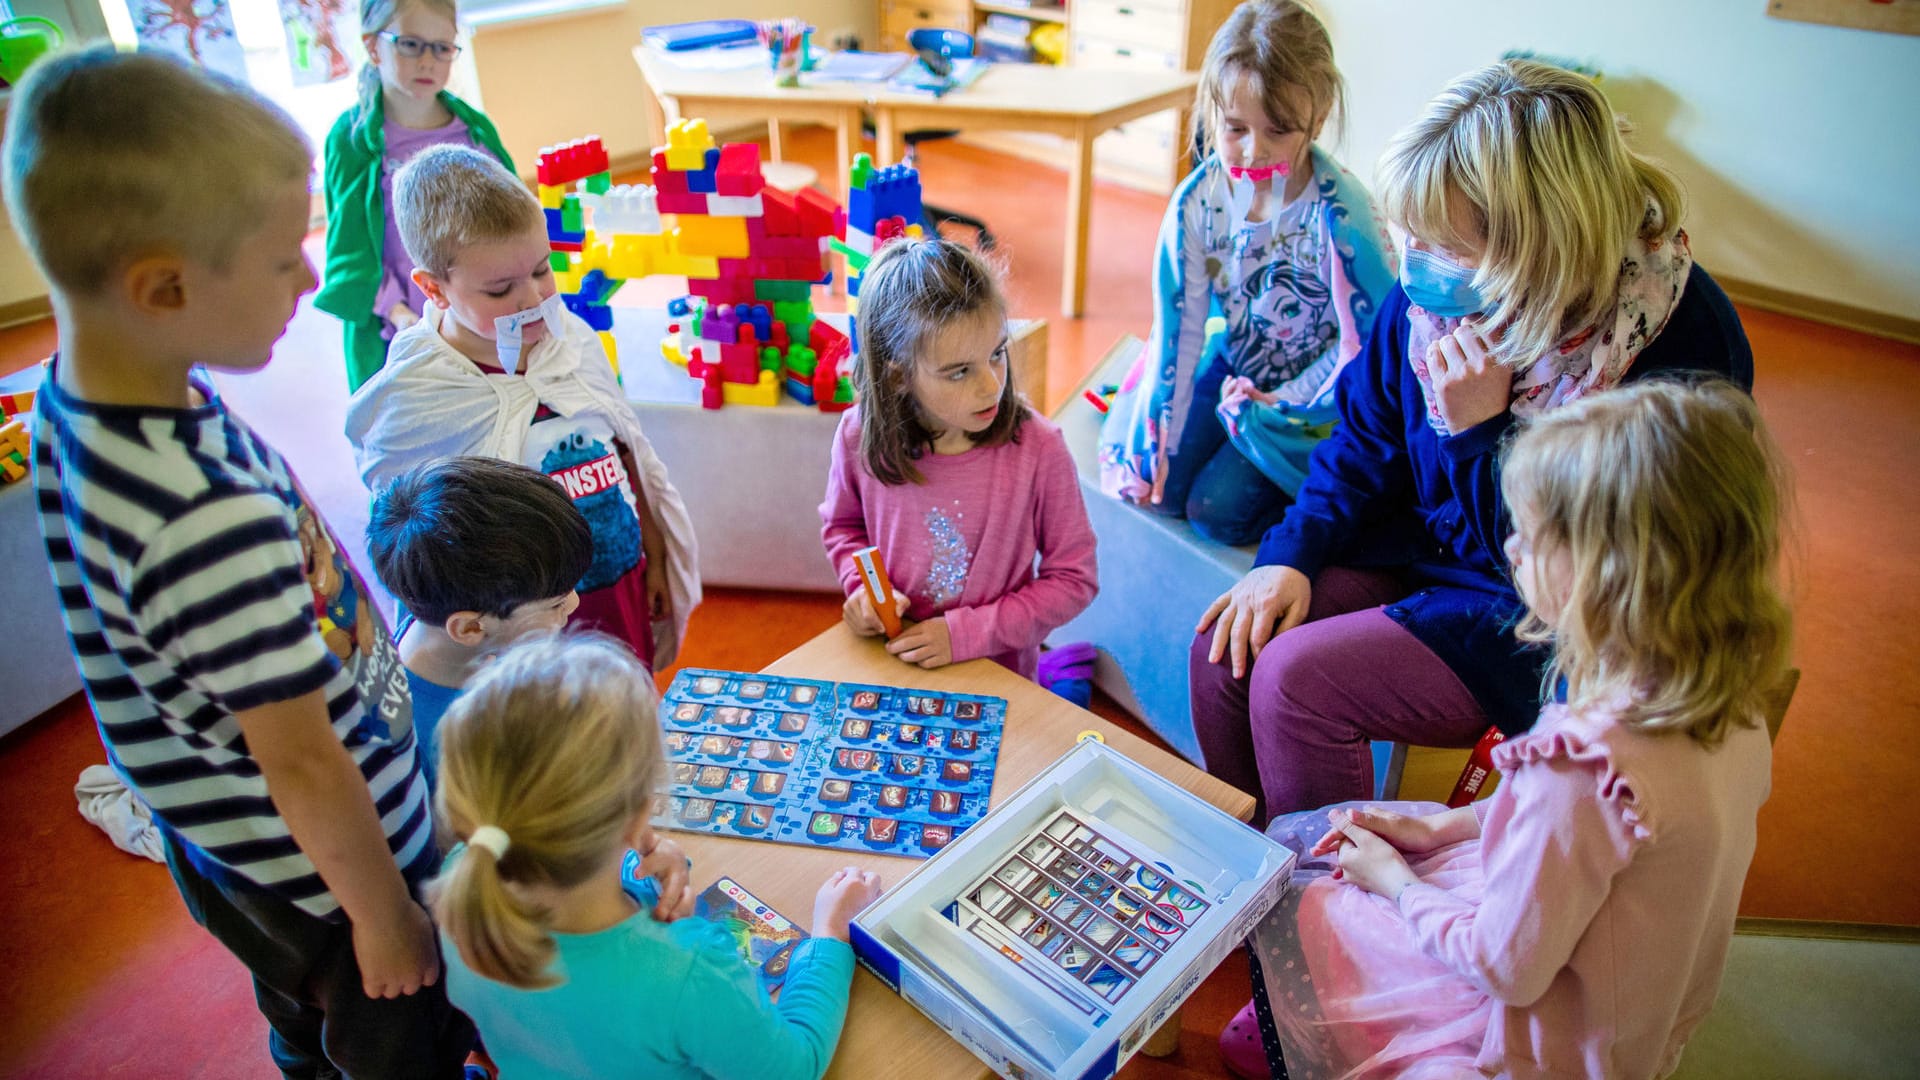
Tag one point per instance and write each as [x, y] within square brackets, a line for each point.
[1241, 1049]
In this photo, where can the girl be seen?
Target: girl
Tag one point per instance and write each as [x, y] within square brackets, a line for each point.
[1544, 262]
[549, 764]
[1275, 235]
[1575, 923]
[944, 467]
[404, 108]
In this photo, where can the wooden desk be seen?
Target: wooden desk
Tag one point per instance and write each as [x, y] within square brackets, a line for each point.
[1076, 104]
[884, 1035]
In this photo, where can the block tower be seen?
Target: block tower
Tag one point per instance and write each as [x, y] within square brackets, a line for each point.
[882, 205]
[16, 445]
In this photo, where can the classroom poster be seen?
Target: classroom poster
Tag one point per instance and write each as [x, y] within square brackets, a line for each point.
[200, 30]
[320, 34]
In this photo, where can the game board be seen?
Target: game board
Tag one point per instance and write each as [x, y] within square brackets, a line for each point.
[765, 938]
[846, 765]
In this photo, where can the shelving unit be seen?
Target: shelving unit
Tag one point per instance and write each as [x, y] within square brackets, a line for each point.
[1137, 35]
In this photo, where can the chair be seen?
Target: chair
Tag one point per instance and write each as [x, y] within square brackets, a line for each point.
[937, 49]
[1390, 770]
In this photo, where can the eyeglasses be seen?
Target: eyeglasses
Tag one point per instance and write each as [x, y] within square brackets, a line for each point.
[413, 48]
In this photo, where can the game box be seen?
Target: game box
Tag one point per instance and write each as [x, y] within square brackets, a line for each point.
[1067, 925]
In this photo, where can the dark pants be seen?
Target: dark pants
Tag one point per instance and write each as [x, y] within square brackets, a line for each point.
[307, 984]
[1210, 483]
[1295, 730]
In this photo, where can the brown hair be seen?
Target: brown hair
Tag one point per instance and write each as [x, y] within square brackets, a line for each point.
[375, 17]
[448, 198]
[1667, 499]
[912, 290]
[557, 744]
[1277, 45]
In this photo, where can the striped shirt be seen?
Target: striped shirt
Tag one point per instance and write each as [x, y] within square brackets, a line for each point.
[197, 583]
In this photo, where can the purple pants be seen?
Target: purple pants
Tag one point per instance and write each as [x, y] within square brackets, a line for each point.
[1295, 731]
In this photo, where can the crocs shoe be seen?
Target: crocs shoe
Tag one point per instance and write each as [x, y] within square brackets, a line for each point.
[1241, 1049]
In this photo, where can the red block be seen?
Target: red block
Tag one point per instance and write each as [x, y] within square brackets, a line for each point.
[723, 290]
[668, 181]
[568, 162]
[778, 213]
[817, 210]
[740, 363]
[566, 245]
[739, 172]
[681, 203]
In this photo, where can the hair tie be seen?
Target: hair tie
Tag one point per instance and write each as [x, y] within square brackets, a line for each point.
[491, 837]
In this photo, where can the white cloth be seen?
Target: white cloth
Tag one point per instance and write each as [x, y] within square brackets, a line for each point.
[430, 402]
[106, 801]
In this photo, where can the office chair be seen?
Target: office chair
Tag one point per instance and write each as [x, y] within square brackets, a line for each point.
[937, 49]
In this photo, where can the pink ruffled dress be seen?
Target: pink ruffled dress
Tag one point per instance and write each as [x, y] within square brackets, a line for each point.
[1582, 934]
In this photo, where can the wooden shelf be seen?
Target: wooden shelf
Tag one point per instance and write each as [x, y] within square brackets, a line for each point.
[1053, 13]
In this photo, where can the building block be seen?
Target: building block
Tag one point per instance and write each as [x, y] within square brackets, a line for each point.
[718, 237]
[705, 179]
[598, 183]
[739, 170]
[15, 404]
[568, 162]
[682, 203]
[597, 316]
[551, 196]
[817, 213]
[628, 208]
[667, 181]
[613, 351]
[763, 391]
[780, 215]
[687, 145]
[740, 206]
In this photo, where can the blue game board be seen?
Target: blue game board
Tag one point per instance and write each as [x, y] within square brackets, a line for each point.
[846, 765]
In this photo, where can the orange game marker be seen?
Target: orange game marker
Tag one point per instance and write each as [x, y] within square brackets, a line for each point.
[873, 573]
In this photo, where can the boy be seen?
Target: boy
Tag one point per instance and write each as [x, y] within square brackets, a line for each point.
[166, 209]
[480, 552]
[498, 368]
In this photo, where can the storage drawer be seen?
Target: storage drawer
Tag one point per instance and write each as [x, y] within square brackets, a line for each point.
[1093, 52]
[898, 18]
[1130, 22]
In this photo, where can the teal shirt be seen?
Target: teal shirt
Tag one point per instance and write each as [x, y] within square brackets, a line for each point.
[651, 999]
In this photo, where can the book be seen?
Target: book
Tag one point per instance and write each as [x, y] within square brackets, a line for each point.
[677, 37]
[851, 66]
[918, 79]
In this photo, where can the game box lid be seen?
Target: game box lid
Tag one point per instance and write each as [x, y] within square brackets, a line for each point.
[1066, 926]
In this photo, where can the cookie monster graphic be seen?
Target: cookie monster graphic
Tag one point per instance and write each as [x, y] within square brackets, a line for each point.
[592, 474]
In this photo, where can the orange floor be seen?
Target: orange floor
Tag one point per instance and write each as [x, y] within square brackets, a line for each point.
[106, 976]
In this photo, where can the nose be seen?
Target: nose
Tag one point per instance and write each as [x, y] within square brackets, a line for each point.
[308, 279]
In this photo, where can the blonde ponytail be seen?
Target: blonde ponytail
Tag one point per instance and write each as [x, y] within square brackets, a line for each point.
[498, 935]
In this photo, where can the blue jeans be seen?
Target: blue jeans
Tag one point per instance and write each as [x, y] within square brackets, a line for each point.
[1210, 482]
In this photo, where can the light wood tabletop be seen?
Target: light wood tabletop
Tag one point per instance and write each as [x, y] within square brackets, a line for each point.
[1076, 104]
[884, 1035]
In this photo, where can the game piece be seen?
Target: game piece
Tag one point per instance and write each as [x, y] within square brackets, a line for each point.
[766, 939]
[1068, 925]
[858, 767]
[873, 574]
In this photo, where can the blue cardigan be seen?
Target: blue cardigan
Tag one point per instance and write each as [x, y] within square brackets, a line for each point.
[1387, 491]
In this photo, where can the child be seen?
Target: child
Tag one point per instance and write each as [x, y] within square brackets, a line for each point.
[1576, 922]
[403, 108]
[549, 767]
[166, 209]
[1275, 235]
[944, 467]
[499, 368]
[480, 552]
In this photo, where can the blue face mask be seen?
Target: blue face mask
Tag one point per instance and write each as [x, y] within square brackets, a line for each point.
[1440, 285]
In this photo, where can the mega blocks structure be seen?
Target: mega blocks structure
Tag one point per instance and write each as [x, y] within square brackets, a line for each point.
[882, 205]
[751, 255]
[16, 449]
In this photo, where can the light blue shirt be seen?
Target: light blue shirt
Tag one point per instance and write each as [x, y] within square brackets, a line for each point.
[648, 999]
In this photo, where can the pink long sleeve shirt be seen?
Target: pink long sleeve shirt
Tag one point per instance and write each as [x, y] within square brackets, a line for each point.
[1613, 862]
[963, 543]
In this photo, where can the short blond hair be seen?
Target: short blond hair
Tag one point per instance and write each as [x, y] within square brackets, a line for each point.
[1668, 499]
[1552, 195]
[449, 198]
[112, 156]
[1276, 46]
[557, 743]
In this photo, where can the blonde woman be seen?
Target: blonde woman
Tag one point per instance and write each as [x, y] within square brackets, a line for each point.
[1543, 262]
[1576, 923]
[549, 766]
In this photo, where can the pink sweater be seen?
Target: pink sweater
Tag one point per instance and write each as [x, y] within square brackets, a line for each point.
[962, 544]
[1612, 867]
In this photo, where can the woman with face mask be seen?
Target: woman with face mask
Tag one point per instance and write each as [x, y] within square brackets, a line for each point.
[1542, 261]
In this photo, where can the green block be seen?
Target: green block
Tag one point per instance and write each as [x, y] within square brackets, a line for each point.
[559, 261]
[777, 291]
[599, 182]
[17, 458]
[572, 219]
[843, 391]
[770, 359]
[856, 262]
[801, 360]
[862, 168]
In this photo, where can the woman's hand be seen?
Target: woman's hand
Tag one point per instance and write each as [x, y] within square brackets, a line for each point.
[1470, 387]
[1370, 862]
[1243, 617]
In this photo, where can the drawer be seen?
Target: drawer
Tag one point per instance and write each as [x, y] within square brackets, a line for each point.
[898, 18]
[1130, 22]
[1096, 52]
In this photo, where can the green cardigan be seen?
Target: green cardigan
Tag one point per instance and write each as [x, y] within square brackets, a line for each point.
[357, 225]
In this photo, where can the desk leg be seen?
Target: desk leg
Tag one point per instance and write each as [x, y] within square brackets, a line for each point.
[1073, 278]
[656, 118]
[773, 139]
[846, 143]
[886, 149]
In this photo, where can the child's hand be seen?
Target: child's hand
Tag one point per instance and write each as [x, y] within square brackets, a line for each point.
[1469, 386]
[1407, 833]
[862, 618]
[928, 644]
[667, 864]
[397, 956]
[402, 316]
[1370, 862]
[841, 898]
[659, 596]
[1238, 390]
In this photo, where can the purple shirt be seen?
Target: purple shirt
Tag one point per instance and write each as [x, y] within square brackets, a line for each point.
[396, 278]
[963, 543]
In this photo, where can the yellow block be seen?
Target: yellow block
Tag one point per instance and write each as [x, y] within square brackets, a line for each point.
[552, 196]
[613, 351]
[567, 281]
[687, 145]
[719, 237]
[670, 348]
[765, 392]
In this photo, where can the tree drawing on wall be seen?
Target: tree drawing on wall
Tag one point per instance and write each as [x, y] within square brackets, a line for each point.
[314, 48]
[199, 23]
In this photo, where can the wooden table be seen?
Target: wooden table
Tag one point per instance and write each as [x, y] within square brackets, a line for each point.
[884, 1035]
[1074, 103]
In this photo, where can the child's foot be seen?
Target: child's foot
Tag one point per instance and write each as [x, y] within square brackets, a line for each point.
[1068, 671]
[1241, 1049]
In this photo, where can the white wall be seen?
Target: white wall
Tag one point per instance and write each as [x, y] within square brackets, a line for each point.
[1799, 145]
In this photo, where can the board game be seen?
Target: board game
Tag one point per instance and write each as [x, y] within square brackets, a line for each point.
[765, 938]
[882, 769]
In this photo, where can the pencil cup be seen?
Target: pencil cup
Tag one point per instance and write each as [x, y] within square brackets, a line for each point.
[786, 66]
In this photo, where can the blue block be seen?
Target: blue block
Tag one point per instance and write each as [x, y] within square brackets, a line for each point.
[598, 316]
[799, 390]
[679, 308]
[596, 287]
[702, 181]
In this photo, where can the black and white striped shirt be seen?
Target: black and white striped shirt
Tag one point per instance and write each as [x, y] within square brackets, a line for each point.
[196, 584]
